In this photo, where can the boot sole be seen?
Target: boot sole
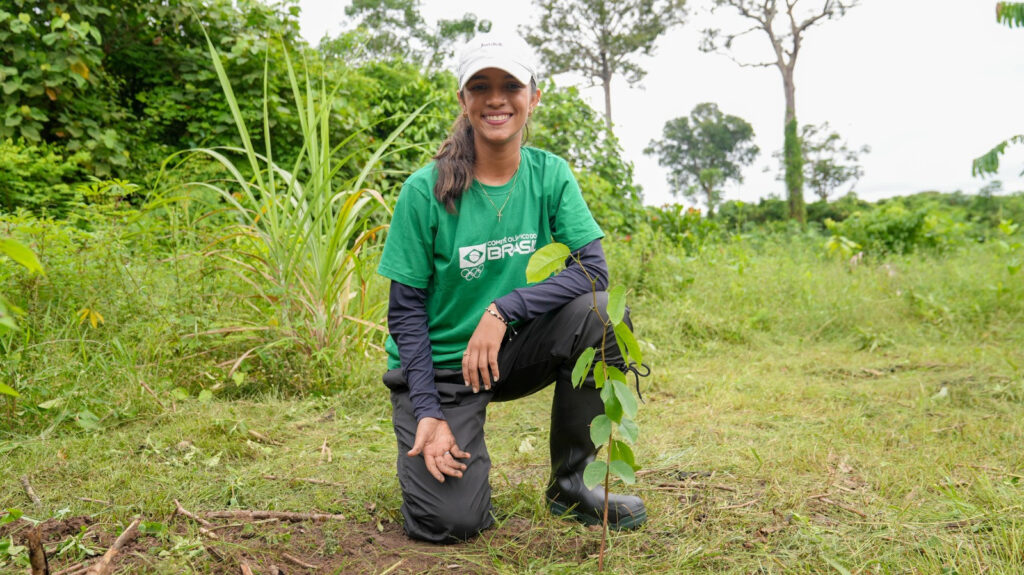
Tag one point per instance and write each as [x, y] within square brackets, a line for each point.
[624, 523]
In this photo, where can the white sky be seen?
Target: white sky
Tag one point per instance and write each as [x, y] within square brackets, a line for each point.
[928, 84]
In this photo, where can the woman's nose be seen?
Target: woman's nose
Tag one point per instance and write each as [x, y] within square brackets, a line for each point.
[495, 97]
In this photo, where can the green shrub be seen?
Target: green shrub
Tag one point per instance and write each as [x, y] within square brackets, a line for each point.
[38, 177]
[683, 226]
[895, 229]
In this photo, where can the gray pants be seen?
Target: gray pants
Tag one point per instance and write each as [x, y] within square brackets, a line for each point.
[543, 351]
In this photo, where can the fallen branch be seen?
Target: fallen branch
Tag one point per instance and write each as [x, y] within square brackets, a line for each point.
[298, 561]
[230, 525]
[78, 569]
[325, 452]
[689, 485]
[29, 491]
[179, 510]
[153, 393]
[36, 554]
[842, 506]
[263, 438]
[304, 480]
[244, 568]
[103, 566]
[282, 515]
[205, 527]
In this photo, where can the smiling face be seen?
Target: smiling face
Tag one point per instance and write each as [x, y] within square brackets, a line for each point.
[498, 106]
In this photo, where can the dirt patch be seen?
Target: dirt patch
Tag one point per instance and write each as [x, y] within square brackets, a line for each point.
[277, 547]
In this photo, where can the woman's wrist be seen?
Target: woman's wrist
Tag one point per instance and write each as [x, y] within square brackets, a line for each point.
[492, 310]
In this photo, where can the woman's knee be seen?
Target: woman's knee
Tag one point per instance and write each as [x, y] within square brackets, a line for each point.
[452, 521]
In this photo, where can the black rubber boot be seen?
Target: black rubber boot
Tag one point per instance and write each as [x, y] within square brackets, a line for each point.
[571, 450]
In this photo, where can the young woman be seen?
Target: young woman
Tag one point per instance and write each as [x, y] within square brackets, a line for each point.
[465, 327]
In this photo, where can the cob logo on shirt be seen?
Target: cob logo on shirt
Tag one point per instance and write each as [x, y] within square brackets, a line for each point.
[472, 258]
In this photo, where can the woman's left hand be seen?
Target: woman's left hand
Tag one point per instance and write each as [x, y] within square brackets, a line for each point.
[480, 361]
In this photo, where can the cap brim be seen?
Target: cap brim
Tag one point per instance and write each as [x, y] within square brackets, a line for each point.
[518, 71]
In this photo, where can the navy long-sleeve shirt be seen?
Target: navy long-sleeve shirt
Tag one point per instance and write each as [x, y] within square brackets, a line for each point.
[407, 318]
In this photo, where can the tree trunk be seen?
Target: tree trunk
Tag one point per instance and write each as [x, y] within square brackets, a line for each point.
[606, 83]
[793, 152]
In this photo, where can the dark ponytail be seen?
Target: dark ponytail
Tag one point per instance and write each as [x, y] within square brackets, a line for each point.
[456, 158]
[454, 161]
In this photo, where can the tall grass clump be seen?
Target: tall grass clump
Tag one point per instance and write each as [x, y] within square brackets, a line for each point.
[299, 236]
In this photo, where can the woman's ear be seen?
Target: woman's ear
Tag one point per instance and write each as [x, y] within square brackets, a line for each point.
[462, 103]
[535, 100]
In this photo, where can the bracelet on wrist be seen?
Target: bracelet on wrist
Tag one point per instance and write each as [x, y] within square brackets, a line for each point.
[497, 315]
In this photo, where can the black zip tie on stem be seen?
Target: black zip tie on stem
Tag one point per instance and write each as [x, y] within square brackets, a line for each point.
[637, 374]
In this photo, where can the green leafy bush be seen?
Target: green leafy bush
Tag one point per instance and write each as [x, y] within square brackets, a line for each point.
[39, 177]
[895, 229]
[683, 226]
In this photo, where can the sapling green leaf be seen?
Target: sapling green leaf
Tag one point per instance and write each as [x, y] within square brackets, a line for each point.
[600, 374]
[594, 474]
[625, 397]
[7, 390]
[629, 429]
[627, 343]
[612, 407]
[546, 261]
[623, 471]
[621, 451]
[600, 430]
[582, 367]
[615, 373]
[616, 304]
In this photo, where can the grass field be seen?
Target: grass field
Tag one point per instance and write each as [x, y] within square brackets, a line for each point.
[803, 415]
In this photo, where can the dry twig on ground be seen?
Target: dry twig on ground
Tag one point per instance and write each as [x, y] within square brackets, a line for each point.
[29, 491]
[263, 438]
[104, 565]
[842, 506]
[304, 480]
[299, 562]
[282, 515]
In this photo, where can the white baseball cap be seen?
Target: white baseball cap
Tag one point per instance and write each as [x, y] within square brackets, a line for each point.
[506, 52]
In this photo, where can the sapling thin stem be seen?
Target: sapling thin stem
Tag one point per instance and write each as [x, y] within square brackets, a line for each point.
[604, 363]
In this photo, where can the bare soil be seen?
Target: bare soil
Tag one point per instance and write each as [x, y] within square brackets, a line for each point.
[270, 547]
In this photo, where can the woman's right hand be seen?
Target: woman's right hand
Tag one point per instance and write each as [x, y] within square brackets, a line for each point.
[480, 362]
[435, 440]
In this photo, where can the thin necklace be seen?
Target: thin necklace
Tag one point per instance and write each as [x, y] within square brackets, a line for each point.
[515, 180]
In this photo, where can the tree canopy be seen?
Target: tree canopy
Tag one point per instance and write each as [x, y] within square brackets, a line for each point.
[600, 39]
[395, 29]
[704, 151]
[828, 161]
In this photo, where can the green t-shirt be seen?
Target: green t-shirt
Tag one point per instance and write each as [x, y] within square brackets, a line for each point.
[468, 259]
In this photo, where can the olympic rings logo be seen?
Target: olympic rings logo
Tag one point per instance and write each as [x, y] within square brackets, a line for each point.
[470, 274]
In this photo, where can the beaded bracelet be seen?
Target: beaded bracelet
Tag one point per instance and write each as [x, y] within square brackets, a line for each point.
[495, 314]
